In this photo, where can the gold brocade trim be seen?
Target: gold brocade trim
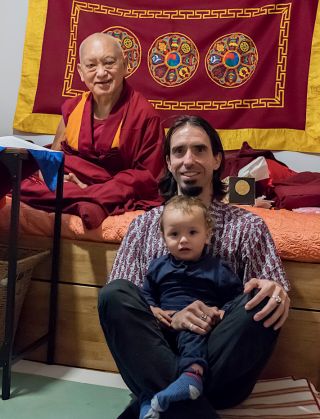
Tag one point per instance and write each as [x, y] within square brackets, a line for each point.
[271, 139]
[313, 95]
[24, 119]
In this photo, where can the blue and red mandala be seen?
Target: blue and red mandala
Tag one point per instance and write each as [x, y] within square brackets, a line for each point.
[231, 60]
[173, 59]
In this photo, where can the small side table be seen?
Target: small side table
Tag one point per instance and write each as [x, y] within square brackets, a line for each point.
[13, 159]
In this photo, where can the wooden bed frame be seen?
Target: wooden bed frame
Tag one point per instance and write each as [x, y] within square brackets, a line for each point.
[80, 341]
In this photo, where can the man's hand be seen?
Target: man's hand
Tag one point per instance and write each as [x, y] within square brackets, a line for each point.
[164, 316]
[197, 317]
[279, 302]
[71, 177]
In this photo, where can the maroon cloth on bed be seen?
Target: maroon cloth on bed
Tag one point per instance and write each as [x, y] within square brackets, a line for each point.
[237, 159]
[300, 190]
[28, 167]
[120, 179]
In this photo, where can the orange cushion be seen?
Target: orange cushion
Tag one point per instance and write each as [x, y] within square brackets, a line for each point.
[40, 223]
[296, 235]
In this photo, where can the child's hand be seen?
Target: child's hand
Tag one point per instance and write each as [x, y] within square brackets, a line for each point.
[197, 317]
[163, 316]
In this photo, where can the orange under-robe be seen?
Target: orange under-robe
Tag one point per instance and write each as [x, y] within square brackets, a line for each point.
[120, 159]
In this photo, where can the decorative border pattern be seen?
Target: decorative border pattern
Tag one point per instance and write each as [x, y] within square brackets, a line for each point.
[273, 102]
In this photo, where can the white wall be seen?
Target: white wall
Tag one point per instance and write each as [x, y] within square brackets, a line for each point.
[300, 162]
[12, 28]
[13, 19]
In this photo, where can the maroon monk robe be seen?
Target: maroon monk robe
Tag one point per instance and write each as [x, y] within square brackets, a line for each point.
[119, 179]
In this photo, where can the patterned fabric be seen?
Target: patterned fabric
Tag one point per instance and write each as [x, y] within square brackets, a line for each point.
[234, 63]
[281, 398]
[241, 238]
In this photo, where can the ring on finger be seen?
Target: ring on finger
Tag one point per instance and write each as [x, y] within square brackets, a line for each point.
[277, 299]
[191, 326]
[203, 316]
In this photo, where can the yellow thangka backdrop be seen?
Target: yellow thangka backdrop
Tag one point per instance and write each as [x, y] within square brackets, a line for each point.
[252, 72]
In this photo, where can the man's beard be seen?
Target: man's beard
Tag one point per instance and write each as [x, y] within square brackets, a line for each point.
[191, 190]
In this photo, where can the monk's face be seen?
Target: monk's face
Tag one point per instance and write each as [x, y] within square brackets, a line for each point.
[102, 66]
[192, 162]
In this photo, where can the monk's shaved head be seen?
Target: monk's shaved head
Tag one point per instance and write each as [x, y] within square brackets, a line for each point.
[102, 67]
[103, 38]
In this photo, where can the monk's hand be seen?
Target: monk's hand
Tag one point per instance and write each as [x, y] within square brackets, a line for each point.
[163, 316]
[71, 177]
[196, 317]
[278, 304]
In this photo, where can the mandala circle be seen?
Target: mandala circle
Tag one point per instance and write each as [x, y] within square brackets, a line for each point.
[130, 45]
[231, 60]
[173, 59]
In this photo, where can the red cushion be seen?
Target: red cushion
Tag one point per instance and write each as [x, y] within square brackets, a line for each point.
[300, 190]
[278, 171]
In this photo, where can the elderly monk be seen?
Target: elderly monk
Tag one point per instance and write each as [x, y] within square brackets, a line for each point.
[112, 140]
